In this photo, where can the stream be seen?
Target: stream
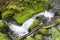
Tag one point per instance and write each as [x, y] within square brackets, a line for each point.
[22, 30]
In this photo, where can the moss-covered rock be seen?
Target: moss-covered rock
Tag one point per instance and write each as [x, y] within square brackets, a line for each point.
[3, 36]
[30, 38]
[35, 23]
[43, 31]
[26, 14]
[7, 13]
[39, 37]
[2, 25]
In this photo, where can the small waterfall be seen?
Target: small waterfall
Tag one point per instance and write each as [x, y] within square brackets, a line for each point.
[20, 30]
[49, 15]
[23, 29]
[28, 23]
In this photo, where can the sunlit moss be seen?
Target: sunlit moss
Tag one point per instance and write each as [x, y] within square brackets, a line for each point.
[3, 36]
[26, 14]
[43, 31]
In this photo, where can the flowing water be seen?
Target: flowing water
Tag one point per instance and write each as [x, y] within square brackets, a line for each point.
[23, 29]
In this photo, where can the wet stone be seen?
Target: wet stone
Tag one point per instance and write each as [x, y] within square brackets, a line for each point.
[56, 4]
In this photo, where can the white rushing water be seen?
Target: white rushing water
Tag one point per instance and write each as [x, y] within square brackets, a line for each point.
[22, 30]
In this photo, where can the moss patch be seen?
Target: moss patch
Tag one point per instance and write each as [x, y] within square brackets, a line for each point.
[2, 25]
[39, 37]
[29, 38]
[7, 13]
[43, 31]
[35, 23]
[3, 36]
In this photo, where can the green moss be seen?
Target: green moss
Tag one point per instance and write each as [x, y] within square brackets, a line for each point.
[7, 13]
[30, 38]
[2, 25]
[35, 23]
[3, 36]
[26, 14]
[39, 7]
[43, 31]
[39, 37]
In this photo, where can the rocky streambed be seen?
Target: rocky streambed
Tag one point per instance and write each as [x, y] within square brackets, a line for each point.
[29, 20]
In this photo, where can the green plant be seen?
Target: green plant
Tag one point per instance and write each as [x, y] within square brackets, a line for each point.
[2, 25]
[39, 37]
[43, 31]
[55, 34]
[35, 23]
[26, 14]
[7, 13]
[3, 36]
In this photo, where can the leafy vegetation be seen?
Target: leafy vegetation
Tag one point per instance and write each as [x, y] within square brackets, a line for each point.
[39, 37]
[7, 14]
[22, 10]
[3, 36]
[55, 34]
[44, 31]
[1, 25]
